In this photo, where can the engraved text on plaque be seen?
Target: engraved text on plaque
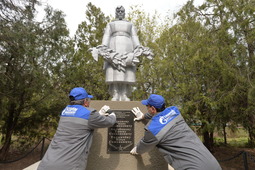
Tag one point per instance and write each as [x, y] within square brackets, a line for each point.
[121, 135]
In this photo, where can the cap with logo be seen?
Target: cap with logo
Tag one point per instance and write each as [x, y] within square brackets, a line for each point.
[79, 93]
[154, 100]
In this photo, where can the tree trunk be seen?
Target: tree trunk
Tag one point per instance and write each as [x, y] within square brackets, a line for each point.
[251, 127]
[251, 137]
[208, 140]
[224, 134]
[211, 140]
[6, 146]
[8, 132]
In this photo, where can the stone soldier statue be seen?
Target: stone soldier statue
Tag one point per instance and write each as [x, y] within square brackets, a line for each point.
[120, 49]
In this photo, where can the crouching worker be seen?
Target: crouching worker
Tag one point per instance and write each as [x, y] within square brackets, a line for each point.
[70, 145]
[168, 131]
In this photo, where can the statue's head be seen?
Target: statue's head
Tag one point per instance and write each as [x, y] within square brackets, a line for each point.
[120, 12]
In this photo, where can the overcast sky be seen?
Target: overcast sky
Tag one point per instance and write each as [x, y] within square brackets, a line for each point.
[75, 9]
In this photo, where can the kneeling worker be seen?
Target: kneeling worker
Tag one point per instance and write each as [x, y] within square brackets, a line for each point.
[167, 130]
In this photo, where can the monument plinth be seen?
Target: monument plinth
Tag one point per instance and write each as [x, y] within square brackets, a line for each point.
[102, 157]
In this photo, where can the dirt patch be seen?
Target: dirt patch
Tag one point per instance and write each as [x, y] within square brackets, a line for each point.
[224, 154]
[21, 164]
[221, 153]
[24, 159]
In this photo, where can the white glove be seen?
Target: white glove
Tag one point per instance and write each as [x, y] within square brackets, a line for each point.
[103, 110]
[137, 112]
[113, 114]
[133, 151]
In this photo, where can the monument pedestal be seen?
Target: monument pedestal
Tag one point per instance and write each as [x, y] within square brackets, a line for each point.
[100, 159]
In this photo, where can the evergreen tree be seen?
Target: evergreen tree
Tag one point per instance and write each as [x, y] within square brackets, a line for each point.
[31, 56]
[209, 60]
[83, 70]
[232, 23]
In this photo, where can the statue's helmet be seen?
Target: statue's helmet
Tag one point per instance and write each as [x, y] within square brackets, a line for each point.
[120, 12]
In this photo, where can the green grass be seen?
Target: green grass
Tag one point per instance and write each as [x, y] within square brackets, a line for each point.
[235, 142]
[237, 138]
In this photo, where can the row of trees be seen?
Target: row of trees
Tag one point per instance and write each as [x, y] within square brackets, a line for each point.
[214, 64]
[204, 63]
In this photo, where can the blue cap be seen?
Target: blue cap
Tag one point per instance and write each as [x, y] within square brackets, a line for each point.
[79, 93]
[154, 100]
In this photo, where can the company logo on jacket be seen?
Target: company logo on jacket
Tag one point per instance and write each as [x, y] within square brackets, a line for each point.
[78, 111]
[160, 120]
[69, 111]
[164, 119]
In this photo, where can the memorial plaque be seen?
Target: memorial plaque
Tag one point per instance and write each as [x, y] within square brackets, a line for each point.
[121, 135]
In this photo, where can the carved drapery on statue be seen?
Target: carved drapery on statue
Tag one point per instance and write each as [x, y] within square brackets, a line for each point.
[121, 50]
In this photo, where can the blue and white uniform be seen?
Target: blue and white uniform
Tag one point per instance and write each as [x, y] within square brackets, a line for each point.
[180, 146]
[70, 146]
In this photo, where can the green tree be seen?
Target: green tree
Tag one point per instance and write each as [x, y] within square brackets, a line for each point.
[209, 58]
[148, 30]
[82, 69]
[31, 55]
[201, 70]
[233, 24]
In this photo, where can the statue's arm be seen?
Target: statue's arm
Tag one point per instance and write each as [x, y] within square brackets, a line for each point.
[135, 38]
[107, 35]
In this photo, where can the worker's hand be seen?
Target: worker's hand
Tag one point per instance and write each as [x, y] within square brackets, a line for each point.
[113, 114]
[103, 110]
[138, 114]
[133, 151]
